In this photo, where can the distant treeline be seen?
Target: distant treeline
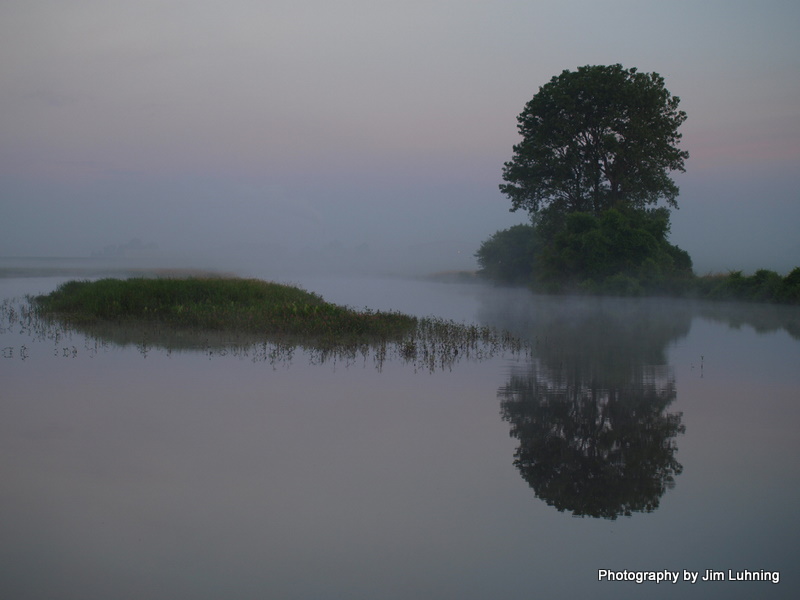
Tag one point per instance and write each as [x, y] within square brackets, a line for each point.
[762, 286]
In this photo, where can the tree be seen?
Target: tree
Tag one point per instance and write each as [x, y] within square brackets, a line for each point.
[508, 255]
[596, 138]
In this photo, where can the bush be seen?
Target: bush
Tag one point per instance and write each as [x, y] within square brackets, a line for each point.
[763, 286]
[509, 255]
[621, 252]
[790, 287]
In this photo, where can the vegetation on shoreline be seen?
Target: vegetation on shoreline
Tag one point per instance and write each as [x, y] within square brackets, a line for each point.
[762, 286]
[261, 319]
[596, 257]
[243, 305]
[622, 252]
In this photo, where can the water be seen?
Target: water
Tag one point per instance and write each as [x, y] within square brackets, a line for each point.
[640, 435]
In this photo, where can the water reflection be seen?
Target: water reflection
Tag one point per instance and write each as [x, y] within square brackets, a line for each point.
[763, 318]
[591, 409]
[432, 345]
[591, 448]
[225, 479]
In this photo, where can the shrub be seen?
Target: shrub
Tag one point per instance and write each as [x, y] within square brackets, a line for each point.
[509, 255]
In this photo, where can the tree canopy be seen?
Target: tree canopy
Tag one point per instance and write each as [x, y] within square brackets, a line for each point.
[596, 138]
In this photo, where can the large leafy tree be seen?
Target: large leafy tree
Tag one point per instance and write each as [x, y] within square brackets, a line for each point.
[596, 138]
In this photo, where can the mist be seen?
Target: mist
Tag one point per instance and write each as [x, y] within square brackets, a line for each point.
[366, 137]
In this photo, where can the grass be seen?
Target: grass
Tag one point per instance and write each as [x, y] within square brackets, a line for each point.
[248, 317]
[264, 320]
[231, 304]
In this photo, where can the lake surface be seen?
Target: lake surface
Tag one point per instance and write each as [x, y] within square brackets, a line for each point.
[637, 435]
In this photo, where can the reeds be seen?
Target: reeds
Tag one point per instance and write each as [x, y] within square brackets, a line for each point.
[239, 305]
[261, 320]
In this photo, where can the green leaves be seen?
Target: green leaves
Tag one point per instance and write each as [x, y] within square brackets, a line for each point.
[596, 138]
[598, 146]
[615, 247]
[508, 256]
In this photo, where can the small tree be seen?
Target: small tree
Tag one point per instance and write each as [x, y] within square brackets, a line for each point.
[596, 138]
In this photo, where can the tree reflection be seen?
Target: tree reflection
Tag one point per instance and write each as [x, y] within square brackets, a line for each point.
[592, 449]
[590, 410]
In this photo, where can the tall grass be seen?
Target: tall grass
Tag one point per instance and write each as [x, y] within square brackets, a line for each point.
[245, 305]
[263, 320]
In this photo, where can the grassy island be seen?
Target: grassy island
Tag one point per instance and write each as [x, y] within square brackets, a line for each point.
[257, 318]
[231, 304]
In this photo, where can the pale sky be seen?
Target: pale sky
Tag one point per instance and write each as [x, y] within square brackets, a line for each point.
[223, 126]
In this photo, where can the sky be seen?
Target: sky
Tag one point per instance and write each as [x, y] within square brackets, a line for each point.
[368, 131]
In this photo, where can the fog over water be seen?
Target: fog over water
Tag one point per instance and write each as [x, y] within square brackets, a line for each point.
[366, 136]
[635, 434]
[350, 148]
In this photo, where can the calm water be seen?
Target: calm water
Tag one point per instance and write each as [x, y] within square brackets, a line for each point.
[640, 435]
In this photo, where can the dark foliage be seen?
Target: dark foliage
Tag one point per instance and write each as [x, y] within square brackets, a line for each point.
[509, 255]
[596, 138]
[216, 304]
[598, 145]
[762, 286]
[620, 252]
